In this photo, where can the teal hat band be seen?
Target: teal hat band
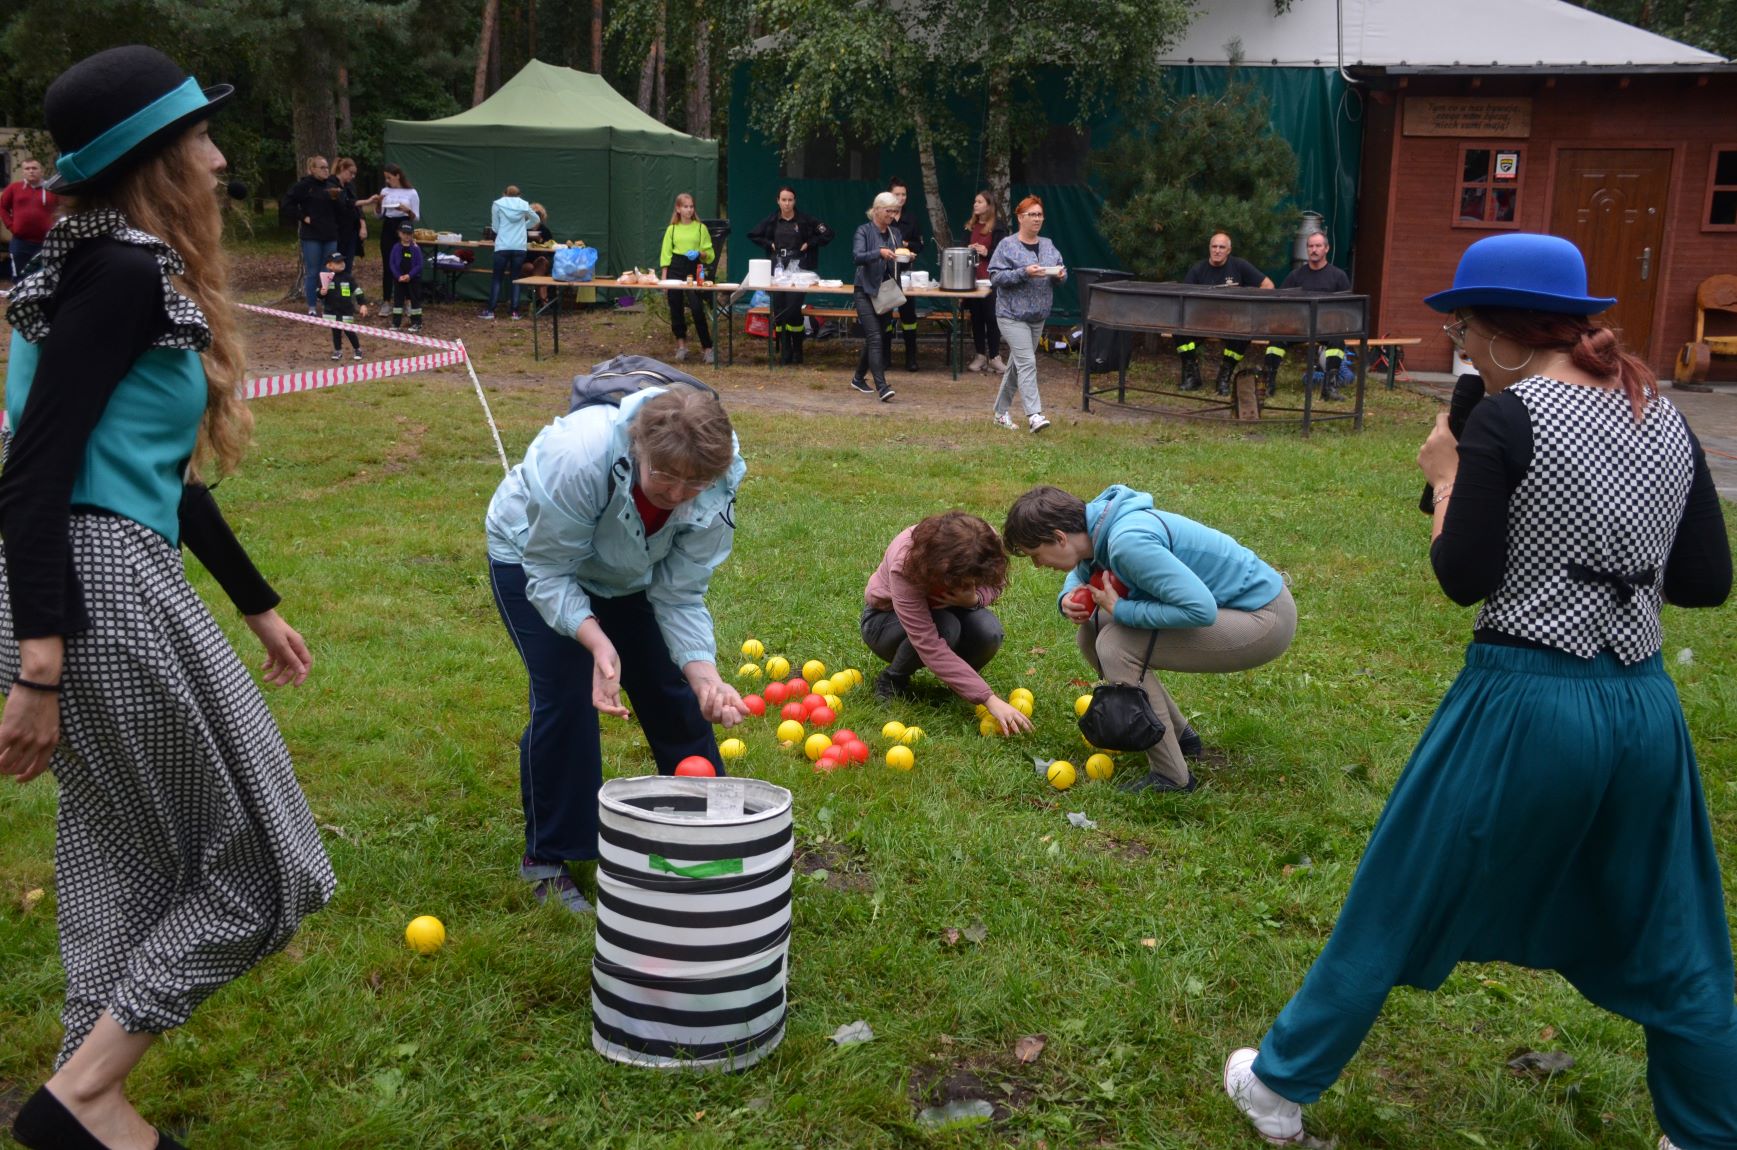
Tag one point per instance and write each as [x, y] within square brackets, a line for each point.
[115, 143]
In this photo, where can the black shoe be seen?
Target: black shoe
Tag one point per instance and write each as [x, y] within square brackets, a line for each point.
[1270, 374]
[891, 687]
[1226, 369]
[796, 350]
[886, 393]
[1152, 781]
[911, 355]
[1189, 739]
[858, 383]
[43, 1123]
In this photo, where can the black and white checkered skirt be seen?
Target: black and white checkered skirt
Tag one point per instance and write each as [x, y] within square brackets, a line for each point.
[185, 851]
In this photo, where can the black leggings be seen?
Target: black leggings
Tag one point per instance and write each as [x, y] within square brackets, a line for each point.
[873, 359]
[682, 302]
[974, 634]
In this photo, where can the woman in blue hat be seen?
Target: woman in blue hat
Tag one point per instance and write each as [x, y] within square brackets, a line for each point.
[184, 850]
[1552, 814]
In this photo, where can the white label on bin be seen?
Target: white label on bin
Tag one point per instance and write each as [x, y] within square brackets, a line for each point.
[725, 799]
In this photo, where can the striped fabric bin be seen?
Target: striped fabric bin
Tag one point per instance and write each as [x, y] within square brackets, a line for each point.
[693, 921]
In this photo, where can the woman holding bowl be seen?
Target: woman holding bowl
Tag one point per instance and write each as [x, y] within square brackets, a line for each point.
[874, 250]
[1021, 272]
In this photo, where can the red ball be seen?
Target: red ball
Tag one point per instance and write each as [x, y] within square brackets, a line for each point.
[776, 693]
[1104, 580]
[798, 685]
[1080, 598]
[822, 716]
[811, 701]
[697, 766]
[755, 704]
[834, 756]
[795, 711]
[859, 751]
[846, 735]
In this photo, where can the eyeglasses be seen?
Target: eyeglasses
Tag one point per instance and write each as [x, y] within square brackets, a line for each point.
[1456, 333]
[1032, 215]
[677, 482]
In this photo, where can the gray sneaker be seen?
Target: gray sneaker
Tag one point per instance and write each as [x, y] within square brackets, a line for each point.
[552, 879]
[1277, 1119]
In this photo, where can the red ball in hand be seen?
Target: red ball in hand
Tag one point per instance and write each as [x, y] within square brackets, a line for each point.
[755, 704]
[696, 766]
[1079, 597]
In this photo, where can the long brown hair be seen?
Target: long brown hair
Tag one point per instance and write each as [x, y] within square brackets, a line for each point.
[955, 551]
[985, 225]
[170, 196]
[1591, 346]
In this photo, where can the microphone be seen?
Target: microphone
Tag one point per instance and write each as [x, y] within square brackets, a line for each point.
[1468, 390]
[237, 190]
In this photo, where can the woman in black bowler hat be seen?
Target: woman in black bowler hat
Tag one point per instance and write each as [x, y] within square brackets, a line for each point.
[184, 849]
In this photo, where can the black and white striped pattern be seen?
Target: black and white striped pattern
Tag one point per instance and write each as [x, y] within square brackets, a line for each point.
[693, 924]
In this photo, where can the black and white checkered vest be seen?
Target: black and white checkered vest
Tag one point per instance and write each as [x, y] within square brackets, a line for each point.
[1592, 522]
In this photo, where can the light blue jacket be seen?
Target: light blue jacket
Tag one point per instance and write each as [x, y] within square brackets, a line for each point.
[511, 216]
[577, 534]
[1178, 572]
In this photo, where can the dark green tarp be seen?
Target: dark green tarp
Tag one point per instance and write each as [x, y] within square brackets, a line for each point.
[607, 172]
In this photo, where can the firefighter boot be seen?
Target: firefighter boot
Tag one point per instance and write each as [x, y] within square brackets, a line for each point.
[1190, 373]
[1226, 369]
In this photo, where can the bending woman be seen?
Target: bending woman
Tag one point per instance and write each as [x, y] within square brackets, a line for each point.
[184, 850]
[601, 546]
[927, 605]
[1552, 815]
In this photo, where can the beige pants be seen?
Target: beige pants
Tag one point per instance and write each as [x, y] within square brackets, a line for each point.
[1236, 641]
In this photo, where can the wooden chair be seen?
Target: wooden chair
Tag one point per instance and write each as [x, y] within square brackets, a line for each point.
[1715, 329]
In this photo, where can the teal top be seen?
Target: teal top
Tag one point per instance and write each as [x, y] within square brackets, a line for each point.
[135, 461]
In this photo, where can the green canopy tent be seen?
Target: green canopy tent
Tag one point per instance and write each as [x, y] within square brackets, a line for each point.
[607, 172]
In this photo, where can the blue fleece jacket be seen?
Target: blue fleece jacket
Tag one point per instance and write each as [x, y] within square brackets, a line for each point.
[1178, 572]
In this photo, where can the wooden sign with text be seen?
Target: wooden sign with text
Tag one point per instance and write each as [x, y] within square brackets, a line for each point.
[1468, 116]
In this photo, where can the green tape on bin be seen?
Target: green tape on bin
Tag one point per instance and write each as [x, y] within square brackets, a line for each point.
[714, 869]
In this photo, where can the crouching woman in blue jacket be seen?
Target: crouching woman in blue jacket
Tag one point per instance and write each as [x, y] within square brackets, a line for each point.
[601, 546]
[1154, 591]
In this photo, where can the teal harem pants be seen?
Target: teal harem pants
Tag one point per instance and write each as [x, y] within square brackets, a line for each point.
[1551, 817]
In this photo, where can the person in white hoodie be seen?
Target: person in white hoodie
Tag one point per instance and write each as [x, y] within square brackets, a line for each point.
[509, 216]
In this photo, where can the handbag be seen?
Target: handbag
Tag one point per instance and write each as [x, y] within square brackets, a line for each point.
[1120, 717]
[889, 297]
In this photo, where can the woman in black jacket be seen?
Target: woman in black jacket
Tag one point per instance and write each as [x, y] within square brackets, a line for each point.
[314, 200]
[873, 250]
[793, 240]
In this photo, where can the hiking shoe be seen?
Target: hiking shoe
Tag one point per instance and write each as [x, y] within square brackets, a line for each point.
[1037, 422]
[337, 355]
[891, 687]
[977, 363]
[552, 880]
[859, 384]
[1005, 419]
[681, 353]
[1278, 1120]
[887, 393]
[1189, 739]
[485, 315]
[706, 356]
[1157, 783]
[997, 366]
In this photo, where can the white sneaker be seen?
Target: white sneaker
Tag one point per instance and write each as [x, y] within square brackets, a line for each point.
[707, 357]
[1005, 419]
[996, 366]
[1037, 422]
[681, 353]
[1278, 1120]
[977, 363]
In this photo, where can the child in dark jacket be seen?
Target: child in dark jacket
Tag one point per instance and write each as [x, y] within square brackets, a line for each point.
[405, 264]
[342, 298]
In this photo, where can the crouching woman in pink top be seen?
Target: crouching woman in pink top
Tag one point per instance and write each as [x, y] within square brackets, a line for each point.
[927, 605]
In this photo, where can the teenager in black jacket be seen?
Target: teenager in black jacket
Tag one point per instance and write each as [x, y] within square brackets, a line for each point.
[313, 200]
[793, 240]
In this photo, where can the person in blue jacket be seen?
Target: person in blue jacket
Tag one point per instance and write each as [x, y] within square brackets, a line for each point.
[405, 266]
[1154, 591]
[601, 546]
[510, 217]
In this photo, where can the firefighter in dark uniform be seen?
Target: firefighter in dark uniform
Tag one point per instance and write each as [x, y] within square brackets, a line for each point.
[910, 236]
[793, 240]
[1317, 275]
[1218, 269]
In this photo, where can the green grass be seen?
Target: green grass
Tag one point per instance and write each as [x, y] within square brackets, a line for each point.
[365, 507]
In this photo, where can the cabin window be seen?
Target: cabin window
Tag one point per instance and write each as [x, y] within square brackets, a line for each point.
[1721, 214]
[822, 159]
[1487, 191]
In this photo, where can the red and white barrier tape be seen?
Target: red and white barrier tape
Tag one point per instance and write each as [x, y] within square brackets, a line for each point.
[354, 373]
[359, 329]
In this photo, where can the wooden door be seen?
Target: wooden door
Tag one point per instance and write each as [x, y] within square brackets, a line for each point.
[1611, 202]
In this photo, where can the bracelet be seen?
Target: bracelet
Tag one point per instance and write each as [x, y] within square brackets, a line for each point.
[50, 688]
[1442, 495]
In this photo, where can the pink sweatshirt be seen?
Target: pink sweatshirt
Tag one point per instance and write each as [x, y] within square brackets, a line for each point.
[889, 590]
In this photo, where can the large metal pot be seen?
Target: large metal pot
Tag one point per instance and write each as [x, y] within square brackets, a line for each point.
[958, 269]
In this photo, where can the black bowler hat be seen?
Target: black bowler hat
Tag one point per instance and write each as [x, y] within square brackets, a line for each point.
[110, 110]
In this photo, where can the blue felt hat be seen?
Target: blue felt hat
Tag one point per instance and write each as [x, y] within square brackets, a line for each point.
[1521, 270]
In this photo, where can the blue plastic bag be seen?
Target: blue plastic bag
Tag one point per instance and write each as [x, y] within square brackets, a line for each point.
[576, 265]
[760, 299]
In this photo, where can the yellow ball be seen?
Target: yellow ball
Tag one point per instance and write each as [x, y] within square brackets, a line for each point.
[425, 934]
[1061, 774]
[777, 667]
[836, 703]
[822, 687]
[912, 736]
[842, 682]
[816, 743]
[893, 730]
[1022, 704]
[1100, 767]
[1081, 703]
[1021, 693]
[813, 669]
[988, 726]
[733, 749]
[753, 649]
[855, 676]
[748, 671]
[790, 731]
[900, 758]
[982, 710]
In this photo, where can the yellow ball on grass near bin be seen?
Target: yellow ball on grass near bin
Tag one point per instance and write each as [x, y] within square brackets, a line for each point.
[893, 730]
[753, 649]
[1061, 774]
[1100, 767]
[1081, 703]
[816, 744]
[425, 934]
[790, 731]
[733, 749]
[813, 669]
[749, 671]
[901, 758]
[777, 667]
[912, 736]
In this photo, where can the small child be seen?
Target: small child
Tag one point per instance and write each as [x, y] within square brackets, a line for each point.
[343, 300]
[405, 265]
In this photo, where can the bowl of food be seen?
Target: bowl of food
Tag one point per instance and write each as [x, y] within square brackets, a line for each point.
[1054, 270]
[904, 255]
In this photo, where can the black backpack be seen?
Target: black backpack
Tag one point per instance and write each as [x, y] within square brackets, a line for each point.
[614, 380]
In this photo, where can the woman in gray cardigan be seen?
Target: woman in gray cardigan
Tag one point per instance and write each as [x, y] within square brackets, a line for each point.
[873, 250]
[1021, 270]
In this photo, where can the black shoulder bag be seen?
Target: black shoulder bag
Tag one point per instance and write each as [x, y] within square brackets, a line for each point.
[1120, 717]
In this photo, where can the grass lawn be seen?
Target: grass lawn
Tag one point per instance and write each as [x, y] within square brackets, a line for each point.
[1142, 950]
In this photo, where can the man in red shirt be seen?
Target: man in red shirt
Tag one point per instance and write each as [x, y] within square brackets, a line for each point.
[27, 208]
